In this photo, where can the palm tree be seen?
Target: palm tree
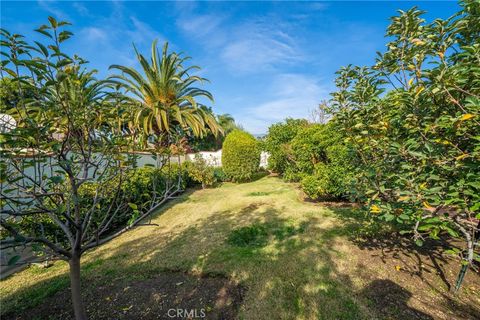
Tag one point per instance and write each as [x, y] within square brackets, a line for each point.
[227, 122]
[164, 97]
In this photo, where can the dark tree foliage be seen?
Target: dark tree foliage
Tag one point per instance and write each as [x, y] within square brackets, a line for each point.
[413, 121]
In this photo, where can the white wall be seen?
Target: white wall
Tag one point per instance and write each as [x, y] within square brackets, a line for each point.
[213, 158]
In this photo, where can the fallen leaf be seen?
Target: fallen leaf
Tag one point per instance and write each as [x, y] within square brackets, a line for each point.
[467, 116]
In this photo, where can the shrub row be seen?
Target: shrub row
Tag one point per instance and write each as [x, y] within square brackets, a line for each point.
[312, 154]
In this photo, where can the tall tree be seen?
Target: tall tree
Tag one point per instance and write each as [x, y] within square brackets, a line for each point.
[64, 144]
[164, 98]
[413, 120]
[211, 142]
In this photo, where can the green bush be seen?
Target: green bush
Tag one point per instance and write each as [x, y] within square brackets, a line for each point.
[240, 156]
[309, 146]
[141, 185]
[277, 143]
[201, 172]
[313, 154]
[292, 174]
[137, 190]
[219, 174]
[321, 161]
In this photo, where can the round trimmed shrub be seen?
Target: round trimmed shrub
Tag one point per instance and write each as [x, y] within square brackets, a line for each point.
[240, 156]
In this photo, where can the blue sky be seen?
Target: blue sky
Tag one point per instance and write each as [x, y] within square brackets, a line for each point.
[266, 60]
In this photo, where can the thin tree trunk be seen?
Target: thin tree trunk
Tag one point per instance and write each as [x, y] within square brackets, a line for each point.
[75, 285]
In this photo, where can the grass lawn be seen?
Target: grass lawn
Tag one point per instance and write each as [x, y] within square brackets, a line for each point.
[294, 259]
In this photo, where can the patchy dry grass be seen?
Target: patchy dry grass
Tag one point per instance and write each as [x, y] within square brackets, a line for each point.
[294, 258]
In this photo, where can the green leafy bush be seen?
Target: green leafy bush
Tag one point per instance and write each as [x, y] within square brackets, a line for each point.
[316, 155]
[417, 140]
[332, 178]
[219, 174]
[277, 143]
[142, 184]
[309, 146]
[240, 156]
[201, 172]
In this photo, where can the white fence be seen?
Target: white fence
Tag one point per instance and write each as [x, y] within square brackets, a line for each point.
[213, 158]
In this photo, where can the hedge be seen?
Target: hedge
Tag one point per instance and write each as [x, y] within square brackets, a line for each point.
[240, 156]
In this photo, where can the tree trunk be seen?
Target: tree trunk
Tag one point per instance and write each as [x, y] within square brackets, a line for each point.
[77, 301]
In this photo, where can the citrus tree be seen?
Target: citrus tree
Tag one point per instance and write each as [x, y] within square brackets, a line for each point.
[414, 121]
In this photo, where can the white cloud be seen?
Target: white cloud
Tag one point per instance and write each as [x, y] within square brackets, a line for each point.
[254, 45]
[109, 40]
[50, 7]
[143, 33]
[94, 34]
[208, 30]
[81, 9]
[289, 95]
[199, 25]
[258, 46]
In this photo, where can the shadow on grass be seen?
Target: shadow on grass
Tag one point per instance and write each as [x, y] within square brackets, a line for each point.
[289, 267]
[426, 264]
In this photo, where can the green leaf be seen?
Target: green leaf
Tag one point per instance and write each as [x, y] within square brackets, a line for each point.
[13, 260]
[451, 251]
[64, 35]
[133, 206]
[42, 48]
[475, 207]
[63, 62]
[61, 76]
[389, 217]
[419, 242]
[451, 232]
[44, 33]
[53, 22]
[56, 179]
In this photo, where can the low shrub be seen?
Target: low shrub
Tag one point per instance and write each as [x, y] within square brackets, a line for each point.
[174, 170]
[240, 156]
[219, 174]
[201, 172]
[292, 174]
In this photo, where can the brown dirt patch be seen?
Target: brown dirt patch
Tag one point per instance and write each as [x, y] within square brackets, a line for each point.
[169, 293]
[410, 282]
